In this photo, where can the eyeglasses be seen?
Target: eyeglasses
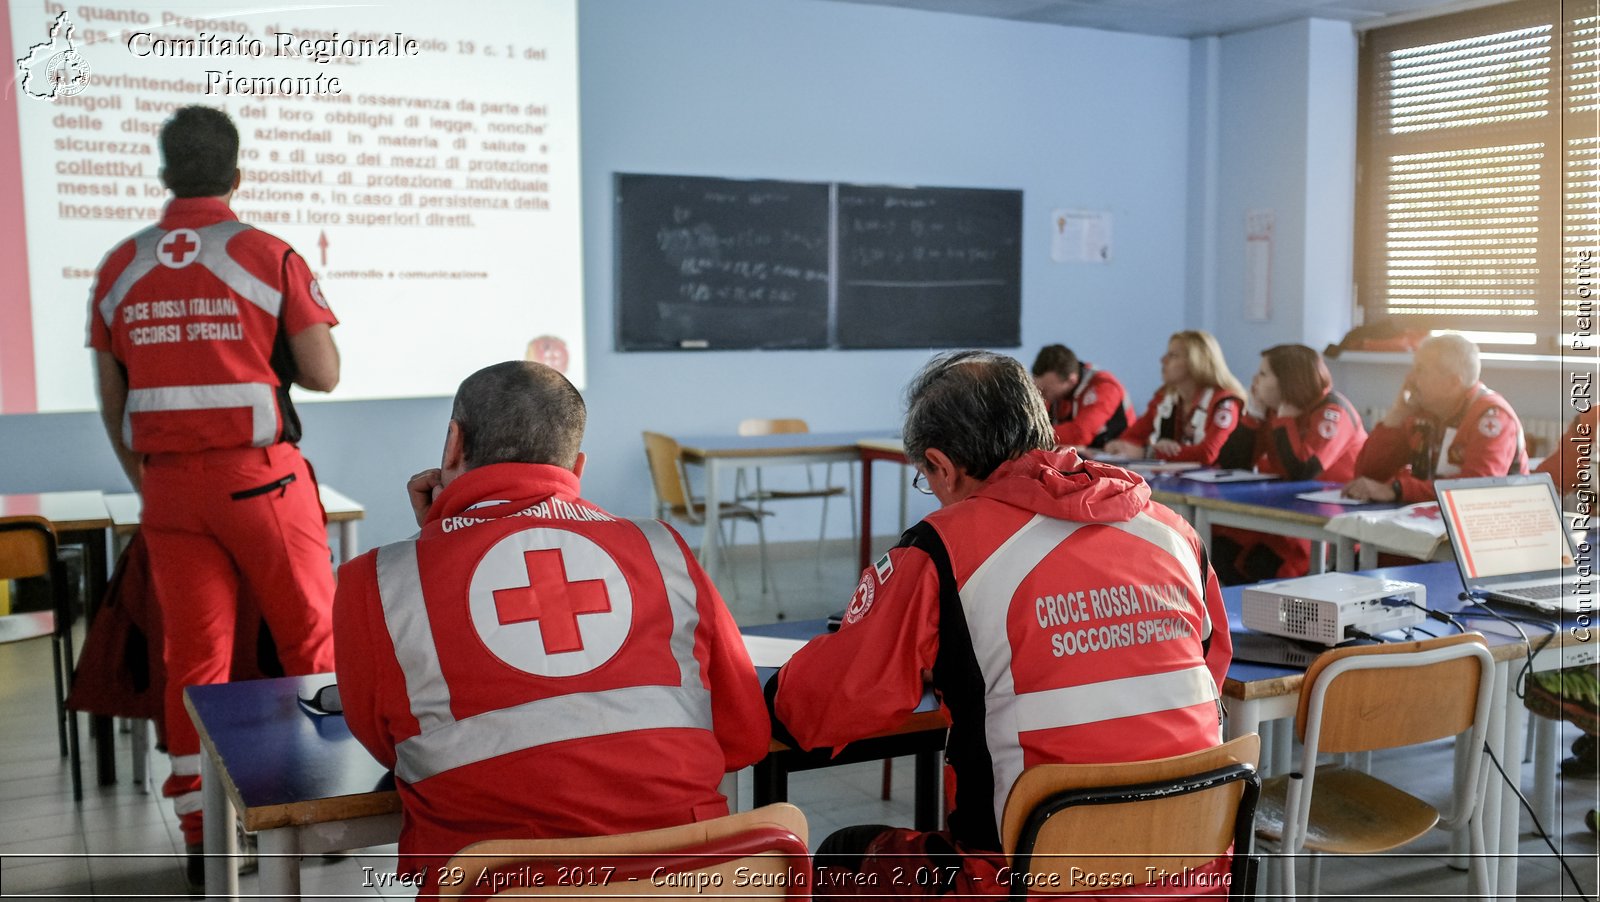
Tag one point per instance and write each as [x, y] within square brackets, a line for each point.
[920, 483]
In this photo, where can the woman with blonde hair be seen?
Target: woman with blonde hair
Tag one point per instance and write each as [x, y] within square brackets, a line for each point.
[1194, 411]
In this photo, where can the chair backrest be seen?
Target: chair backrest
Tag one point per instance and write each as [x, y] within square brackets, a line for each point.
[27, 547]
[1106, 819]
[666, 470]
[1370, 697]
[702, 858]
[772, 427]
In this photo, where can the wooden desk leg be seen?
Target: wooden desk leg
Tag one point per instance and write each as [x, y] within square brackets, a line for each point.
[866, 515]
[770, 783]
[925, 811]
[221, 843]
[280, 864]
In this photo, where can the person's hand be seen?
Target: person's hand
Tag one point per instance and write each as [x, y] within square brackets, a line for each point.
[423, 488]
[1403, 406]
[1363, 489]
[1120, 448]
[1167, 448]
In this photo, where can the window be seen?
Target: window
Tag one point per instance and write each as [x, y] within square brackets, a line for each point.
[1478, 169]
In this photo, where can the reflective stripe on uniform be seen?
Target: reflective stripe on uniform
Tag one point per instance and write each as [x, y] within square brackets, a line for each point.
[995, 582]
[1071, 706]
[185, 765]
[1173, 543]
[144, 260]
[257, 396]
[445, 742]
[188, 803]
[214, 257]
[406, 616]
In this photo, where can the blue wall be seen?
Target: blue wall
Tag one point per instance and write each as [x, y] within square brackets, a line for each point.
[802, 89]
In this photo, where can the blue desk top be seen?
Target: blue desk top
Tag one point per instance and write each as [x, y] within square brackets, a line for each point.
[1277, 494]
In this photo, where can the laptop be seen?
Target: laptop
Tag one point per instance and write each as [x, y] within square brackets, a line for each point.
[1510, 540]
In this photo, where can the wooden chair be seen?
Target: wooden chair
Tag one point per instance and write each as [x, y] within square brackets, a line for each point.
[1166, 815]
[1372, 697]
[825, 491]
[28, 550]
[673, 498]
[766, 846]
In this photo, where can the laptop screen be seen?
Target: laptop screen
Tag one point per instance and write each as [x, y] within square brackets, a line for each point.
[1505, 530]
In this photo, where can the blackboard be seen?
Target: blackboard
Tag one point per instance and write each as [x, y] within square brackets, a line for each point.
[721, 264]
[727, 264]
[929, 267]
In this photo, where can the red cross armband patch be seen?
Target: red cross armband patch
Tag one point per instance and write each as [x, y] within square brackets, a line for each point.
[1224, 415]
[1490, 424]
[1328, 429]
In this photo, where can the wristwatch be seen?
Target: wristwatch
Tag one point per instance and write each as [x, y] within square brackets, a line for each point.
[1396, 487]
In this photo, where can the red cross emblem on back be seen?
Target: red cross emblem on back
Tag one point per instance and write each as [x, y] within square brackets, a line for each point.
[178, 248]
[553, 600]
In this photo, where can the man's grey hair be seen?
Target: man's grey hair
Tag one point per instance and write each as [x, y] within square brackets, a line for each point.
[1452, 353]
[980, 408]
[519, 412]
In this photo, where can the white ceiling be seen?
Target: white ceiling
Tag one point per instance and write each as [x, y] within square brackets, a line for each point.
[1173, 18]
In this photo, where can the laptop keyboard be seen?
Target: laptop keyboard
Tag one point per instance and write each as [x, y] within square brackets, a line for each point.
[1537, 593]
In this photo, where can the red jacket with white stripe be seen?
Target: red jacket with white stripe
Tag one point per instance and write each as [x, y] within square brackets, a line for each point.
[1064, 617]
[530, 666]
[1201, 428]
[198, 309]
[1094, 412]
[1482, 438]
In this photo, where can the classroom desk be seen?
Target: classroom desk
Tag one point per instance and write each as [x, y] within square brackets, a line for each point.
[726, 452]
[309, 787]
[343, 511]
[79, 518]
[921, 736]
[1254, 694]
[302, 781]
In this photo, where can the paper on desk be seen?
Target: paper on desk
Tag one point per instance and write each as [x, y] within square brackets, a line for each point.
[771, 651]
[1226, 476]
[1329, 496]
[1416, 530]
[1157, 467]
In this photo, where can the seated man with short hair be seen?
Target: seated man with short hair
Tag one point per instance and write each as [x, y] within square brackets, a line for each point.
[1062, 616]
[1444, 424]
[1088, 406]
[529, 665]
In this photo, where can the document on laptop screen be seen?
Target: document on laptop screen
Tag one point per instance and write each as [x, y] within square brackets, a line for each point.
[1506, 529]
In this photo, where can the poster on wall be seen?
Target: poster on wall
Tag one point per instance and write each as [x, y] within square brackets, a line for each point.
[1258, 225]
[1080, 236]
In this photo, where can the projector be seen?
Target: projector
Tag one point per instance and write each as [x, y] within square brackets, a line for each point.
[1326, 607]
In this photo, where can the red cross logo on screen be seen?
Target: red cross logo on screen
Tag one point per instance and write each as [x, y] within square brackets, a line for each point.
[179, 248]
[552, 600]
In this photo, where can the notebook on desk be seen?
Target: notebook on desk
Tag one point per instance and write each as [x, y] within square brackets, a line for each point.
[1511, 543]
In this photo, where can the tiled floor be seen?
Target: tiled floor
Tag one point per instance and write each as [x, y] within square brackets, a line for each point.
[122, 844]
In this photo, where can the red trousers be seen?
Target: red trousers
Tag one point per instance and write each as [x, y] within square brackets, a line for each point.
[219, 523]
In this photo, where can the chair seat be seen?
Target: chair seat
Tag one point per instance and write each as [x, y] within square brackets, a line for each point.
[789, 495]
[30, 625]
[1351, 813]
[696, 510]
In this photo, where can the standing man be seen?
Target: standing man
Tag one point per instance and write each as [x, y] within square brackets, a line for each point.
[199, 324]
[1089, 407]
[1444, 424]
[1061, 616]
[528, 665]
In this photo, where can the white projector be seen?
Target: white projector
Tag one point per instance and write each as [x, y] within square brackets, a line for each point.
[1325, 608]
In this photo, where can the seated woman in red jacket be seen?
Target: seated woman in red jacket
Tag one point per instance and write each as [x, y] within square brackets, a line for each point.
[1194, 411]
[1304, 430]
